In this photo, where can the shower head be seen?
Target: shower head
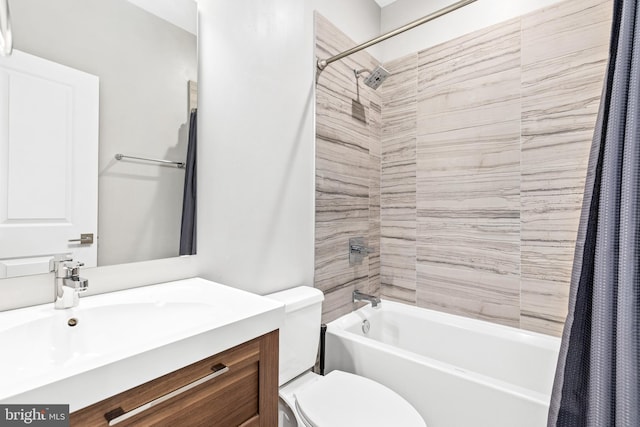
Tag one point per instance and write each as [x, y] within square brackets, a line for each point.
[375, 77]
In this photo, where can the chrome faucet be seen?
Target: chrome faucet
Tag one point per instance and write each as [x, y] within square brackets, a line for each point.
[359, 296]
[68, 283]
[358, 250]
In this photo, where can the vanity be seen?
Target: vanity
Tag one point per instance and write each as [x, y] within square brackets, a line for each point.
[237, 387]
[189, 352]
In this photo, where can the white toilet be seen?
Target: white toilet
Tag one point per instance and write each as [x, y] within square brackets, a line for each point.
[338, 399]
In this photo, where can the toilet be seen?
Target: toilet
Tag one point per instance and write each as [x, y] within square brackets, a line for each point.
[338, 399]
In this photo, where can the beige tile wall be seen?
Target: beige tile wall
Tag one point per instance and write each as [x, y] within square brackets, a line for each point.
[564, 54]
[484, 148]
[347, 174]
[398, 186]
[467, 175]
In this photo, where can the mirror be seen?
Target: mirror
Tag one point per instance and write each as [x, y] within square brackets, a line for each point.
[89, 79]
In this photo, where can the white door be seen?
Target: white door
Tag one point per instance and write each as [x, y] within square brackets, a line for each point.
[48, 163]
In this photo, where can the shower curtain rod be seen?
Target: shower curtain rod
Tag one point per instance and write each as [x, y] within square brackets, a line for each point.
[323, 63]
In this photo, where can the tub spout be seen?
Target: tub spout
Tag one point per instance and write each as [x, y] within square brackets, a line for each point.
[359, 296]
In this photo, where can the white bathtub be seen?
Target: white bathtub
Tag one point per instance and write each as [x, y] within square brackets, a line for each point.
[457, 372]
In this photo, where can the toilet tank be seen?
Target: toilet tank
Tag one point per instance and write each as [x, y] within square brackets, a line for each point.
[300, 334]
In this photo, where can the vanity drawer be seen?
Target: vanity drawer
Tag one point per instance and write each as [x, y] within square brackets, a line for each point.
[236, 387]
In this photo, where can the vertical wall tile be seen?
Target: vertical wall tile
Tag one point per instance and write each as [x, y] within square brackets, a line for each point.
[347, 174]
[375, 128]
[468, 175]
[469, 170]
[564, 54]
[398, 180]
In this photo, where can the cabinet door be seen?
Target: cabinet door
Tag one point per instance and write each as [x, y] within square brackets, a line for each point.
[238, 387]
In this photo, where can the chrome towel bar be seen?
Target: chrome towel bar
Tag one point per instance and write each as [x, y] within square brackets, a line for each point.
[167, 162]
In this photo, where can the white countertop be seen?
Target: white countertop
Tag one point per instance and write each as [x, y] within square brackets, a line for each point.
[123, 339]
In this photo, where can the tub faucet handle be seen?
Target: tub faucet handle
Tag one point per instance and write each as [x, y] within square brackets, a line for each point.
[363, 250]
[358, 250]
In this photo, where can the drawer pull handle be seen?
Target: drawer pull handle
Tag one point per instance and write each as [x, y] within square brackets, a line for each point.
[118, 415]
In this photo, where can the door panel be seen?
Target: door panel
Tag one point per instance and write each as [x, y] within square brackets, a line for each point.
[48, 162]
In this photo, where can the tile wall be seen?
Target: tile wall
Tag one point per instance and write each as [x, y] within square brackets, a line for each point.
[564, 53]
[467, 176]
[347, 173]
[485, 143]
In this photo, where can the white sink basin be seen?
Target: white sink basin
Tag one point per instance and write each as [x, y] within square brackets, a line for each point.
[123, 339]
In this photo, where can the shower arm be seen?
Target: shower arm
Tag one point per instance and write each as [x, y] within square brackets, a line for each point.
[360, 71]
[6, 38]
[323, 63]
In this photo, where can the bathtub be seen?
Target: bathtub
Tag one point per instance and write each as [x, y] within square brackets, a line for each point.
[457, 372]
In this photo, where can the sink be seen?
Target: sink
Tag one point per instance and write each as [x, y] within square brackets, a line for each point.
[136, 335]
[65, 338]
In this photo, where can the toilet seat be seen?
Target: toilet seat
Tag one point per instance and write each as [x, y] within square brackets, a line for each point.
[342, 399]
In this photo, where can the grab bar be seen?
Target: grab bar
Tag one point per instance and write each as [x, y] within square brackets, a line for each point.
[118, 415]
[169, 162]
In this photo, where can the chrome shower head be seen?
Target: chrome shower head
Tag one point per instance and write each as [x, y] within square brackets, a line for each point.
[375, 77]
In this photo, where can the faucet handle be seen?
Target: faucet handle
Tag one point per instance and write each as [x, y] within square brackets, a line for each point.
[82, 285]
[54, 263]
[361, 249]
[74, 268]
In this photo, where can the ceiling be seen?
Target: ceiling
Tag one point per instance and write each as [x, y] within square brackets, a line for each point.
[383, 3]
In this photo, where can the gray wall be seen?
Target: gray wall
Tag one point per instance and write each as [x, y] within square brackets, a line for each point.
[144, 64]
[256, 195]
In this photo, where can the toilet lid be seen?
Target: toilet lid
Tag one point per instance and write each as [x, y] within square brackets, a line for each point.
[343, 399]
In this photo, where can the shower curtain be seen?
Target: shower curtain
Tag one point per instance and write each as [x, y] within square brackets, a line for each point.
[597, 381]
[188, 226]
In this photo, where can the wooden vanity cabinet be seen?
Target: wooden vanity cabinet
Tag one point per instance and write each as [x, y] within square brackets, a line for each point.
[238, 387]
